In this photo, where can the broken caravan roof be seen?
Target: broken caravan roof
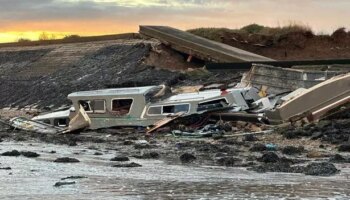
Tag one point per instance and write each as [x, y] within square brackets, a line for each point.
[114, 91]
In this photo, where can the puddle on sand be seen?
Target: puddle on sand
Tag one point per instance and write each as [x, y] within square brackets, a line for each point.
[33, 178]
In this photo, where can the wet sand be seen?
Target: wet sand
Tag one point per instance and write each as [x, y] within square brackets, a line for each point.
[34, 178]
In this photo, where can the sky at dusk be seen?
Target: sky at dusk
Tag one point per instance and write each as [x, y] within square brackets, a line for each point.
[29, 18]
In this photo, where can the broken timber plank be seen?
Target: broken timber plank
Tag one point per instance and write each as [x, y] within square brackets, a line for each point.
[165, 121]
[199, 47]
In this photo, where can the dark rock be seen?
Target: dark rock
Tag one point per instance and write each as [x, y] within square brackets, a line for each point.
[59, 184]
[128, 142]
[296, 133]
[98, 154]
[290, 150]
[269, 157]
[272, 167]
[258, 147]
[5, 168]
[30, 154]
[220, 154]
[320, 169]
[73, 177]
[143, 146]
[217, 136]
[207, 147]
[132, 138]
[316, 135]
[338, 159]
[72, 143]
[52, 152]
[127, 165]
[227, 161]
[250, 138]
[148, 155]
[344, 148]
[187, 158]
[248, 164]
[66, 160]
[225, 149]
[120, 159]
[11, 153]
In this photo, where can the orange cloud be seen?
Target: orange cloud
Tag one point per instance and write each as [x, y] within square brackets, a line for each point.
[97, 17]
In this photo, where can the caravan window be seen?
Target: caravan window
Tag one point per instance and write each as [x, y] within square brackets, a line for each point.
[86, 105]
[176, 108]
[62, 122]
[93, 106]
[214, 104]
[98, 106]
[121, 106]
[168, 109]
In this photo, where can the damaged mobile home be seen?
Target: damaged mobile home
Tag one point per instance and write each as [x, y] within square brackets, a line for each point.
[154, 106]
[145, 106]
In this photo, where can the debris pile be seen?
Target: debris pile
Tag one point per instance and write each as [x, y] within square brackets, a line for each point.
[234, 116]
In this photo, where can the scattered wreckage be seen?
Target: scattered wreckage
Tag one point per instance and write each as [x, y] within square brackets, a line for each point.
[154, 106]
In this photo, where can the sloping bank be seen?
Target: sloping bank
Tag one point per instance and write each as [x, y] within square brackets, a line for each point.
[77, 67]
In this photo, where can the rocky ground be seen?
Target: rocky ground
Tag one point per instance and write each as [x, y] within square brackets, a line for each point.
[273, 162]
[312, 149]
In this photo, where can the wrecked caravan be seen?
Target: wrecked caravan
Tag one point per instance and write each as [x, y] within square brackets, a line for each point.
[58, 118]
[144, 106]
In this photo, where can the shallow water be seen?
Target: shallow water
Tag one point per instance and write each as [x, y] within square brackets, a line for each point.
[33, 178]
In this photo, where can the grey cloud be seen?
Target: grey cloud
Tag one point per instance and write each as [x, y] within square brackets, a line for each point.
[229, 13]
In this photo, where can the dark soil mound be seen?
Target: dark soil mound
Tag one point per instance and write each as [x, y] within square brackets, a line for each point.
[30, 154]
[127, 165]
[187, 158]
[274, 167]
[338, 159]
[336, 131]
[59, 184]
[250, 138]
[320, 169]
[269, 157]
[258, 147]
[73, 177]
[11, 153]
[120, 159]
[66, 160]
[314, 169]
[227, 161]
[344, 148]
[148, 155]
[290, 150]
